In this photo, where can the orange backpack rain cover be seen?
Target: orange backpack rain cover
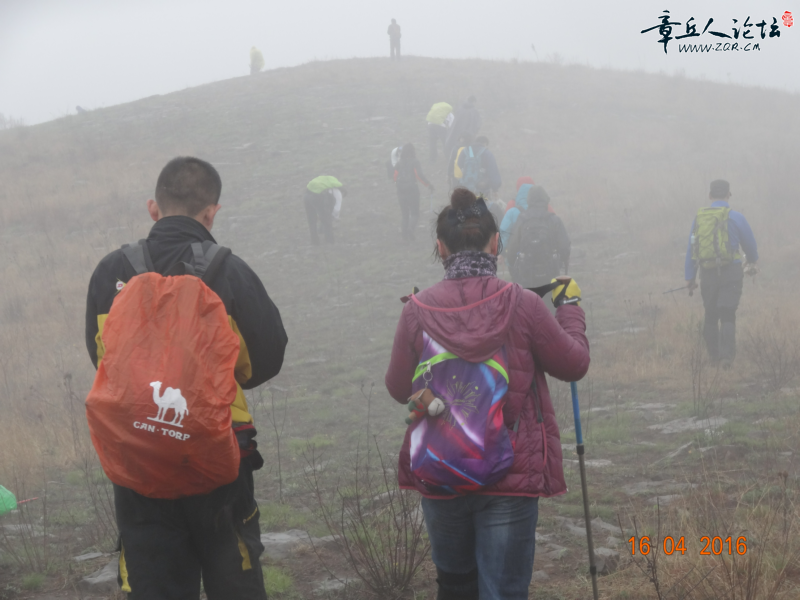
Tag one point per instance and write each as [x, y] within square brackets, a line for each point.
[159, 410]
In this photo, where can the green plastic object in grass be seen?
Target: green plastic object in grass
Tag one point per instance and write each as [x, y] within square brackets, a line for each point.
[7, 501]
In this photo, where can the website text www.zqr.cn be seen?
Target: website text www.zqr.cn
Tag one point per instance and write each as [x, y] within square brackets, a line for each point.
[719, 47]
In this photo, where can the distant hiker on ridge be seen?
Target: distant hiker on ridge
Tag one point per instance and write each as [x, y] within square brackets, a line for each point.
[717, 232]
[394, 39]
[256, 60]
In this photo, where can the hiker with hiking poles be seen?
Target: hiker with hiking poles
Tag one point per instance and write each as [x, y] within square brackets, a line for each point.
[713, 251]
[482, 346]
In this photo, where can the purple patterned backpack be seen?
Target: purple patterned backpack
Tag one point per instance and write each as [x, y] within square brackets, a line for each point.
[468, 446]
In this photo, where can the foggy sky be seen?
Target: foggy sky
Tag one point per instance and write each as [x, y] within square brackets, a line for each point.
[56, 54]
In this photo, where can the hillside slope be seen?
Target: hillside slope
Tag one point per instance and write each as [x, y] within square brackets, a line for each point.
[625, 157]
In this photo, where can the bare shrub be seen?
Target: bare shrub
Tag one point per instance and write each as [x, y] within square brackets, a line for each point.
[379, 526]
[26, 541]
[774, 350]
[9, 122]
[705, 381]
[739, 540]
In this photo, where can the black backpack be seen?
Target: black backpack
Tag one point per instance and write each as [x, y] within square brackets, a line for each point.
[534, 236]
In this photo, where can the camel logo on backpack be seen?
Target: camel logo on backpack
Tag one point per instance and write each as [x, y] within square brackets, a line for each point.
[171, 328]
[171, 398]
[468, 447]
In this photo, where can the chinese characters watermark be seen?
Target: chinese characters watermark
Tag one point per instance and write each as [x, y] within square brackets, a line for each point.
[744, 32]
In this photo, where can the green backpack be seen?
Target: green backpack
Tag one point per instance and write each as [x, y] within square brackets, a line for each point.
[710, 237]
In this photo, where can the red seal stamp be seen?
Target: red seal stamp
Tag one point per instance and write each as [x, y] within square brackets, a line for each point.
[787, 19]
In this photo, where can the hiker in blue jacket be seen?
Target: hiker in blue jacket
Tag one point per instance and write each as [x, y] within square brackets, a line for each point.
[721, 279]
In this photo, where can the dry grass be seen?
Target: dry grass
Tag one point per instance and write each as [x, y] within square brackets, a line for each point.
[625, 157]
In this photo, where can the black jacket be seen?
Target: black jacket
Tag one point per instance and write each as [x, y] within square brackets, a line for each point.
[253, 315]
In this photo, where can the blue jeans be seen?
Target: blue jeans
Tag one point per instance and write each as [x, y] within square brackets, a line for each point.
[494, 535]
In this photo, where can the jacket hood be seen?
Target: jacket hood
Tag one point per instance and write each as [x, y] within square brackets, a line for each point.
[170, 236]
[524, 180]
[521, 200]
[470, 316]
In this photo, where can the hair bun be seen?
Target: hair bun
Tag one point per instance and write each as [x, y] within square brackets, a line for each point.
[462, 198]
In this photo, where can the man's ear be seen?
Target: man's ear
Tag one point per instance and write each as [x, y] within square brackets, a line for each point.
[206, 216]
[152, 208]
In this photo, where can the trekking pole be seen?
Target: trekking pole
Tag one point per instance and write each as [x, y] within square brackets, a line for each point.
[576, 410]
[685, 287]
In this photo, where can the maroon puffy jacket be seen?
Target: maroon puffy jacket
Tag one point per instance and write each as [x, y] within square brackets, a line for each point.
[490, 313]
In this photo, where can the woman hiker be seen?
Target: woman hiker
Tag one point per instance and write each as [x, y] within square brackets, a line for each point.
[481, 344]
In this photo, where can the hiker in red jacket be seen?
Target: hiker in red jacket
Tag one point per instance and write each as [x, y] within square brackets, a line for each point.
[483, 542]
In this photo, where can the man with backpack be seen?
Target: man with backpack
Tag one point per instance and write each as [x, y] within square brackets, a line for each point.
[479, 172]
[717, 232]
[539, 244]
[177, 311]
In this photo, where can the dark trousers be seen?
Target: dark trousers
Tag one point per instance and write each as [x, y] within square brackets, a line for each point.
[319, 207]
[436, 133]
[409, 212]
[721, 290]
[166, 546]
[394, 47]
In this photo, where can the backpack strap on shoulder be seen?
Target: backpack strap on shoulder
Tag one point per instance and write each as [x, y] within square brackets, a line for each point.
[138, 256]
[180, 268]
[208, 258]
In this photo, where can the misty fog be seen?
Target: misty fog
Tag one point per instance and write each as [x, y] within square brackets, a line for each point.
[90, 53]
[587, 120]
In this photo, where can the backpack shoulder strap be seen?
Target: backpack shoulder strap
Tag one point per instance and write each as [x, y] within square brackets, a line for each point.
[208, 258]
[138, 256]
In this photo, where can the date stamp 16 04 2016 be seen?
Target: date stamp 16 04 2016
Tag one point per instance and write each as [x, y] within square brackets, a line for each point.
[709, 545]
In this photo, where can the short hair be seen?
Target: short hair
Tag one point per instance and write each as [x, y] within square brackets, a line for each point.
[720, 189]
[187, 185]
[482, 140]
